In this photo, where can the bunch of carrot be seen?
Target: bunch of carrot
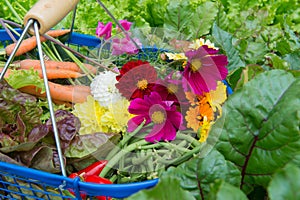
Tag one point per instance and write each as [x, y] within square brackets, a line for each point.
[30, 43]
[65, 94]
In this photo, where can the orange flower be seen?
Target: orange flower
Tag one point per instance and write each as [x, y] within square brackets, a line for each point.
[193, 118]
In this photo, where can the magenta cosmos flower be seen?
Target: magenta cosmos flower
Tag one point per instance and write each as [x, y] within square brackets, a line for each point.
[166, 119]
[104, 30]
[170, 88]
[204, 68]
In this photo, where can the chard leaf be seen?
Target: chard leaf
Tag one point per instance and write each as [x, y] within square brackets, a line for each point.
[177, 17]
[285, 184]
[259, 127]
[293, 59]
[197, 174]
[167, 188]
[222, 190]
[203, 19]
[224, 40]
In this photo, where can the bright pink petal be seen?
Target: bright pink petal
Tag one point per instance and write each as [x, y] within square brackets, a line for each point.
[138, 106]
[104, 30]
[169, 131]
[125, 24]
[156, 133]
[175, 118]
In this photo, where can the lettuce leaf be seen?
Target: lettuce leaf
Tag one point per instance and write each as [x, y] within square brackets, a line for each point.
[21, 78]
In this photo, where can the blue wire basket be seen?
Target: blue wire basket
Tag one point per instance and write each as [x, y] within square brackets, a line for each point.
[18, 182]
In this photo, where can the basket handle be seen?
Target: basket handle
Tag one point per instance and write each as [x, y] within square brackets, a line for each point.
[48, 13]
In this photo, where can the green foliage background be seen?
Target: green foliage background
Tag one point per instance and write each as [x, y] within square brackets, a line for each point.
[256, 141]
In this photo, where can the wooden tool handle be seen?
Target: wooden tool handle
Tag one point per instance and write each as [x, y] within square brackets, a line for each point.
[48, 13]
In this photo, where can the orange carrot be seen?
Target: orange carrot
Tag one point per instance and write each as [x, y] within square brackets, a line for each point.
[30, 43]
[51, 64]
[8, 72]
[60, 92]
[59, 73]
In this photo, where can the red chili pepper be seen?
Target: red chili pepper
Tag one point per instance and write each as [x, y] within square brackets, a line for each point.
[93, 169]
[90, 174]
[99, 180]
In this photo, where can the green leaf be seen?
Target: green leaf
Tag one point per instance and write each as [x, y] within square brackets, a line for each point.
[167, 188]
[177, 17]
[224, 40]
[22, 78]
[83, 145]
[293, 59]
[255, 52]
[276, 62]
[285, 184]
[221, 190]
[259, 127]
[197, 174]
[203, 19]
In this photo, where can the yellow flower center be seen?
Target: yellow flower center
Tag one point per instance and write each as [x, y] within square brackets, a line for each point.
[158, 117]
[172, 88]
[196, 65]
[142, 85]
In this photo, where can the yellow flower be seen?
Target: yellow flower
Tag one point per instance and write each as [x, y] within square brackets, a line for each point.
[88, 114]
[176, 56]
[204, 130]
[117, 116]
[200, 42]
[217, 97]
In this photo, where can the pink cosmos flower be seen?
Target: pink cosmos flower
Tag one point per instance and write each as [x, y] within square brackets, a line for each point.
[125, 24]
[125, 45]
[166, 119]
[104, 30]
[204, 68]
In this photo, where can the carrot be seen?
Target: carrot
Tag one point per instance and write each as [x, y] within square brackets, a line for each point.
[51, 64]
[8, 72]
[60, 92]
[30, 43]
[57, 73]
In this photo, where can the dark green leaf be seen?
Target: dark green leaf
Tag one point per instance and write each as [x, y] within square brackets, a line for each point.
[224, 40]
[197, 174]
[285, 184]
[221, 190]
[166, 189]
[259, 127]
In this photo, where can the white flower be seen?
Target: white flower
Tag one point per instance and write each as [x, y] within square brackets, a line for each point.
[103, 88]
